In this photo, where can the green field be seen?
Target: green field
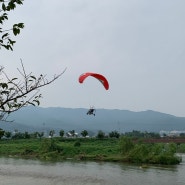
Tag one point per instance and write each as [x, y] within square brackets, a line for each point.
[110, 149]
[60, 149]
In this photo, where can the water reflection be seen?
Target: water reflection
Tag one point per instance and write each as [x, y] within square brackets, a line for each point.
[29, 172]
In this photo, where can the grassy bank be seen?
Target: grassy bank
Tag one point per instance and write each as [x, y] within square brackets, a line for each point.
[59, 149]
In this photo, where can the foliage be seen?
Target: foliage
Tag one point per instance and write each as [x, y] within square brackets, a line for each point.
[171, 148]
[5, 34]
[84, 133]
[182, 135]
[158, 153]
[16, 93]
[100, 134]
[7, 134]
[77, 144]
[51, 133]
[126, 144]
[181, 148]
[26, 135]
[61, 133]
[139, 134]
[17, 147]
[49, 145]
[114, 134]
[106, 149]
[19, 135]
[40, 134]
[71, 133]
[139, 153]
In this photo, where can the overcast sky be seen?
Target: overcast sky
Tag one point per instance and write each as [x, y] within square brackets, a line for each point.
[138, 45]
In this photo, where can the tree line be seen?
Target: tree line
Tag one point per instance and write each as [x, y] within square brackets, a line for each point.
[72, 134]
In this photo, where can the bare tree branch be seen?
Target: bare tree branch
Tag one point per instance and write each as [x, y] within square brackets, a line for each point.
[16, 93]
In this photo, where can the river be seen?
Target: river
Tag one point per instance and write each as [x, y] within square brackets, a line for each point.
[32, 172]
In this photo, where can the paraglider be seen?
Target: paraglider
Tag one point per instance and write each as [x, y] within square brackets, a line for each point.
[91, 111]
[99, 77]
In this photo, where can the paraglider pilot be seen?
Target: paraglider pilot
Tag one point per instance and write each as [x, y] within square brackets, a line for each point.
[91, 111]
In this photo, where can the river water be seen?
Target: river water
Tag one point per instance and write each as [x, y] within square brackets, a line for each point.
[31, 172]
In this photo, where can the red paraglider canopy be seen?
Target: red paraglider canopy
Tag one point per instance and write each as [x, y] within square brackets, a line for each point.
[100, 77]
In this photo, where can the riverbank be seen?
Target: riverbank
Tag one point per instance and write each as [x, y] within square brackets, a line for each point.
[90, 149]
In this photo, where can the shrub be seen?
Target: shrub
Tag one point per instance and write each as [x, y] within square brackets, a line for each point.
[77, 144]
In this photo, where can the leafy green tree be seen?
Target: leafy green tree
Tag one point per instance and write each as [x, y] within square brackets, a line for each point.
[7, 134]
[114, 134]
[26, 135]
[40, 134]
[139, 134]
[84, 133]
[16, 93]
[182, 135]
[51, 133]
[61, 133]
[72, 132]
[18, 135]
[34, 135]
[100, 134]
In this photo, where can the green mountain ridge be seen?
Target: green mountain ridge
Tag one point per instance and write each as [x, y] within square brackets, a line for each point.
[57, 118]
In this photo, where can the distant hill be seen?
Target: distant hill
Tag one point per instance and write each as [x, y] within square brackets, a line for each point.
[57, 118]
